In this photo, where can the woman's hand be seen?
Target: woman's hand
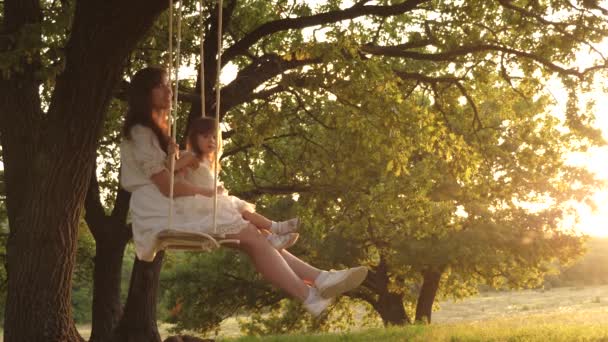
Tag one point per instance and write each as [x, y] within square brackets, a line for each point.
[173, 149]
[221, 190]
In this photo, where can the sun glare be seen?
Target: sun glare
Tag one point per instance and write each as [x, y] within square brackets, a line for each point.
[595, 222]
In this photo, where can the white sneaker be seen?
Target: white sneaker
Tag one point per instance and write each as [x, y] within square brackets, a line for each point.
[283, 241]
[289, 226]
[315, 304]
[334, 283]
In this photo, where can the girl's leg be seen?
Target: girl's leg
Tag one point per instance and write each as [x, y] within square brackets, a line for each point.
[283, 227]
[304, 270]
[269, 262]
[264, 225]
[258, 220]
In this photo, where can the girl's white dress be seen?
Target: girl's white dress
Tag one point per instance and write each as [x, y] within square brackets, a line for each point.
[142, 157]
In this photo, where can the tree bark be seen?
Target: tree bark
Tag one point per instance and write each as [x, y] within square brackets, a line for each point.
[391, 310]
[138, 323]
[426, 297]
[389, 305]
[111, 235]
[107, 307]
[42, 243]
[49, 157]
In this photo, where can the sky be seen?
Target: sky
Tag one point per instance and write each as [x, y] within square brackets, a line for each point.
[596, 159]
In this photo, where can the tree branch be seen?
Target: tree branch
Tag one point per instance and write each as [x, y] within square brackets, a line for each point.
[392, 51]
[302, 105]
[357, 10]
[426, 79]
[559, 26]
[471, 102]
[255, 74]
[273, 190]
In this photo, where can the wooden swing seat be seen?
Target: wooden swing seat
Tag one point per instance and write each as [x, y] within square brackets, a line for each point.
[191, 241]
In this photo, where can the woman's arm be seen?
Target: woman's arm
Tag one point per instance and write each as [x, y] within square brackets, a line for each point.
[162, 180]
[151, 161]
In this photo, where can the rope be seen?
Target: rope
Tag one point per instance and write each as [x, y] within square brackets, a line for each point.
[202, 46]
[217, 108]
[173, 125]
[178, 64]
[169, 72]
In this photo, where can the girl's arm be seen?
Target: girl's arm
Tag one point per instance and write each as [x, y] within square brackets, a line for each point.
[186, 159]
[162, 180]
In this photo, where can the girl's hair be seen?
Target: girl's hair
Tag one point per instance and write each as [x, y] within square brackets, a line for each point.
[200, 126]
[140, 103]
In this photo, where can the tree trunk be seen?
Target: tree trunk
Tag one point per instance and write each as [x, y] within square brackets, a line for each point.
[138, 323]
[389, 305]
[391, 310]
[111, 235]
[426, 298]
[107, 308]
[49, 157]
[42, 215]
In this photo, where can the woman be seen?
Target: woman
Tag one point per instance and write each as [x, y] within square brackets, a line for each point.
[144, 154]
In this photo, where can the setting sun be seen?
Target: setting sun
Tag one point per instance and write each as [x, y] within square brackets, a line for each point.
[592, 222]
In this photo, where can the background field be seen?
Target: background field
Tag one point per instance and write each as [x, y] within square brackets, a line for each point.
[568, 313]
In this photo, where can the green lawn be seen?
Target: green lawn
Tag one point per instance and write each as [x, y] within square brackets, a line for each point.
[539, 327]
[563, 314]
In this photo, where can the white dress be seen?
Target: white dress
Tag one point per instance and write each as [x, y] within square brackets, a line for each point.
[142, 157]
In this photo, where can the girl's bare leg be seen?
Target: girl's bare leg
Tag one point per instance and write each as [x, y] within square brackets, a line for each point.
[269, 262]
[304, 270]
[258, 220]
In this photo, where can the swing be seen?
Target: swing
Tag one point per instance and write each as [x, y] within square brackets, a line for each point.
[171, 238]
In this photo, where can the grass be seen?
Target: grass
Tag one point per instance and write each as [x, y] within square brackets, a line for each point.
[393, 334]
[562, 314]
[540, 327]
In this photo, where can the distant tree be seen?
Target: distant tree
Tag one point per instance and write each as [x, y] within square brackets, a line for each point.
[590, 270]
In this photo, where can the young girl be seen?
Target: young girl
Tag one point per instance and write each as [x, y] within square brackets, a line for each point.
[196, 166]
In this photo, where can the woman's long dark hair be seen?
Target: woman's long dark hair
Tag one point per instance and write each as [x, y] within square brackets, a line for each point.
[140, 103]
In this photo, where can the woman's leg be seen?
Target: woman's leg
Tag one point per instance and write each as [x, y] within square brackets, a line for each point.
[304, 270]
[258, 220]
[269, 262]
